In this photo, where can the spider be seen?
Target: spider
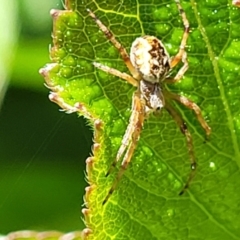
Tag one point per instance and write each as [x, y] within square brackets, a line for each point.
[236, 3]
[150, 64]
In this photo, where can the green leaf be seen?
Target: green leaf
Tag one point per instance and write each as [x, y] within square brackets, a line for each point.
[146, 204]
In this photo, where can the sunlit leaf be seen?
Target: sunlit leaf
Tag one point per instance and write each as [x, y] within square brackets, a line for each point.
[146, 204]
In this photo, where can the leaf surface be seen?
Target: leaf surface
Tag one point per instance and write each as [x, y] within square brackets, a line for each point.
[146, 204]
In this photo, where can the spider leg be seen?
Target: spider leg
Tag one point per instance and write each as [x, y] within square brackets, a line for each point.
[117, 73]
[181, 55]
[130, 140]
[193, 106]
[183, 127]
[117, 45]
[127, 136]
[181, 71]
[175, 60]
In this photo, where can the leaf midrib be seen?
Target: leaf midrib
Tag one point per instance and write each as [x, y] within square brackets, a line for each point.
[225, 103]
[219, 81]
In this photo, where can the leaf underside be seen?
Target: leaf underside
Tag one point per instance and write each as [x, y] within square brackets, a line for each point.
[146, 204]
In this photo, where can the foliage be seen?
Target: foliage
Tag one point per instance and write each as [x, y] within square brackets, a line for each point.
[146, 204]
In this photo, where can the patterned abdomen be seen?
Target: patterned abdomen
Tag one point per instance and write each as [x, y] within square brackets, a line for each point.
[149, 56]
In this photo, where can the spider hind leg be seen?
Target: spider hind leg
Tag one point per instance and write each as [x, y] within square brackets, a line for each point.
[176, 59]
[116, 73]
[109, 35]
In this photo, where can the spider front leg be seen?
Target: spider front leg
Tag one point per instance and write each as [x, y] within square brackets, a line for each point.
[129, 140]
[127, 136]
[193, 106]
[117, 45]
[183, 127]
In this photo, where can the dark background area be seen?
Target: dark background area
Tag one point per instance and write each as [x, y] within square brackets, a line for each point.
[42, 150]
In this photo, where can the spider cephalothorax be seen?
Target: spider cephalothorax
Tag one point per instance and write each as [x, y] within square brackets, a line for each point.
[151, 94]
[149, 65]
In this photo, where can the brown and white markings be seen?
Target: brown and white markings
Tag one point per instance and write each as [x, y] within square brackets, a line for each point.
[149, 64]
[236, 3]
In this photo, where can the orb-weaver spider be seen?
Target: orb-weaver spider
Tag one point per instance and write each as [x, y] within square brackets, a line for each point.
[149, 64]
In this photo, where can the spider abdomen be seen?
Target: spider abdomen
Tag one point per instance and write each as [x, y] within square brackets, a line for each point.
[149, 56]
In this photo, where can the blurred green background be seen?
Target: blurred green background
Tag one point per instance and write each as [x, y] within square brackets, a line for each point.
[42, 150]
